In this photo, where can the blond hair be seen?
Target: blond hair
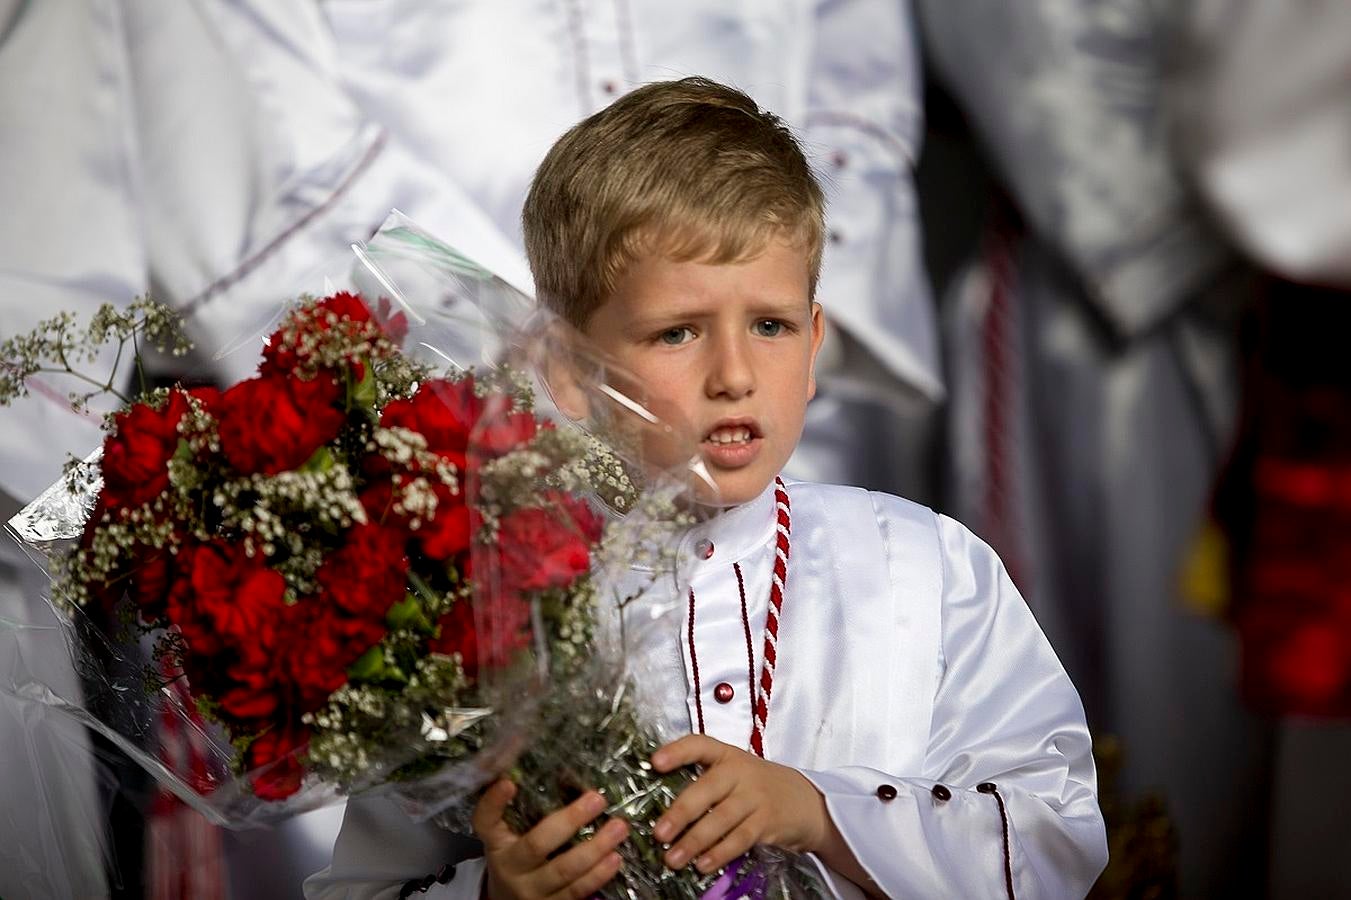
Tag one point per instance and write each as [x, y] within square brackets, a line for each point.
[690, 169]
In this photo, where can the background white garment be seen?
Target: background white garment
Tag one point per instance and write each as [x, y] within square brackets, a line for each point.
[50, 807]
[1259, 94]
[70, 239]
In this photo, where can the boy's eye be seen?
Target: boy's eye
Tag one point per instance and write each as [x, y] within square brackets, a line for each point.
[769, 328]
[674, 336]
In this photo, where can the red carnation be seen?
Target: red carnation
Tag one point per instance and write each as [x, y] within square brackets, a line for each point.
[274, 423]
[151, 579]
[449, 532]
[505, 628]
[222, 598]
[443, 412]
[344, 305]
[322, 648]
[540, 548]
[441, 537]
[368, 574]
[274, 762]
[378, 500]
[306, 325]
[500, 429]
[452, 418]
[393, 324]
[253, 691]
[136, 455]
[207, 396]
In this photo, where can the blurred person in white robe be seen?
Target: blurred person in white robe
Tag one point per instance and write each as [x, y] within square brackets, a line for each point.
[1093, 395]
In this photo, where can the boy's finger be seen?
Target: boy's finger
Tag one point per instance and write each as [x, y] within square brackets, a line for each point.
[595, 879]
[488, 820]
[692, 748]
[701, 796]
[557, 828]
[740, 839]
[575, 864]
[716, 824]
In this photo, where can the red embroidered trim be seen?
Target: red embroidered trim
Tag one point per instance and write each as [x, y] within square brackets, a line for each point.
[750, 648]
[784, 527]
[989, 787]
[1008, 858]
[694, 664]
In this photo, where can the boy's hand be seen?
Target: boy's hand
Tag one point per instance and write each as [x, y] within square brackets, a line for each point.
[519, 866]
[739, 801]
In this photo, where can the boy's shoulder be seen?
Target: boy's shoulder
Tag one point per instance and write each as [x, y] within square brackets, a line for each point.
[908, 530]
[838, 501]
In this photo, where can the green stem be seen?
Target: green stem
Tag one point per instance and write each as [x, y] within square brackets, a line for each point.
[121, 345]
[423, 589]
[85, 378]
[140, 369]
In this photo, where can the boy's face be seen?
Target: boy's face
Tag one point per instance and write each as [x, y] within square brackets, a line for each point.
[726, 349]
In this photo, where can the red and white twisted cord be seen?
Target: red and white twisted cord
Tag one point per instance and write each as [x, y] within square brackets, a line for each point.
[782, 542]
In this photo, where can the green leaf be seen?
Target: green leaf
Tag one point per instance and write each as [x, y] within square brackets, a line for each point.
[408, 613]
[369, 666]
[183, 452]
[364, 394]
[321, 461]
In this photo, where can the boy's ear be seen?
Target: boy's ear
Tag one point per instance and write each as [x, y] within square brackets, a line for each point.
[562, 370]
[818, 335]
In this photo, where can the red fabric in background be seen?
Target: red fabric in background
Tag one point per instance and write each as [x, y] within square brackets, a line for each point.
[184, 853]
[1285, 502]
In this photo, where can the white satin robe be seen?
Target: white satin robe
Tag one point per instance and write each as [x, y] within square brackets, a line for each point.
[906, 658]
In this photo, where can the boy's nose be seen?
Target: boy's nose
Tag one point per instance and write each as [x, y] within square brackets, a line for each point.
[730, 373]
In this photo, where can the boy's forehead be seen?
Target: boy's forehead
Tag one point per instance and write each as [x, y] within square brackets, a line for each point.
[653, 286]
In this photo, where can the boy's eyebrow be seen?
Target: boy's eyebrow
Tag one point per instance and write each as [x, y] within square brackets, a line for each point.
[783, 308]
[766, 308]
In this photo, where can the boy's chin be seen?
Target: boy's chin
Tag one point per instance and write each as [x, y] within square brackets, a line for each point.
[735, 488]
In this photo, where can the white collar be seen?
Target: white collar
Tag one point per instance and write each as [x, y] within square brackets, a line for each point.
[729, 536]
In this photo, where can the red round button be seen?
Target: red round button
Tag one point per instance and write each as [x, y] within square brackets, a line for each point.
[704, 549]
[724, 692]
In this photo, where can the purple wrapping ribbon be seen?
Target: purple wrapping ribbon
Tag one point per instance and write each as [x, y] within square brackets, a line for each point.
[731, 886]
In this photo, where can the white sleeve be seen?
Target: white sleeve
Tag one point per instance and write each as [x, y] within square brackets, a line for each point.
[863, 124]
[380, 849]
[1006, 804]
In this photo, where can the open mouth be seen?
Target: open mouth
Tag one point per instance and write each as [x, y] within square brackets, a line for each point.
[733, 443]
[733, 433]
[728, 436]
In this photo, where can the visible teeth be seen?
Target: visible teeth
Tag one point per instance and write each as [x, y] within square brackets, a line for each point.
[738, 435]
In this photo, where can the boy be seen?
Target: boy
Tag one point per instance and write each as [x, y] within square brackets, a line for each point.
[862, 680]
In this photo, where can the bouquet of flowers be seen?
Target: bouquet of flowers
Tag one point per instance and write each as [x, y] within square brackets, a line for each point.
[364, 571]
